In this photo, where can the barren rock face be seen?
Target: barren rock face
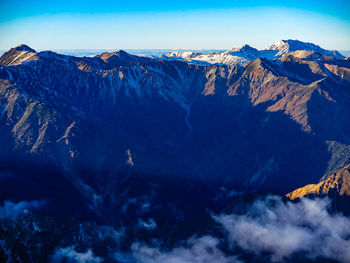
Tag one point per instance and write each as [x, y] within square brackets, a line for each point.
[338, 182]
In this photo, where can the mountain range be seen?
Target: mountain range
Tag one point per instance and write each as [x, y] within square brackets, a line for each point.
[118, 138]
[244, 54]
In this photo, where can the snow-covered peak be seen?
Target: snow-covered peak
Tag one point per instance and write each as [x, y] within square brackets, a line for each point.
[244, 47]
[244, 51]
[182, 54]
[284, 47]
[222, 57]
[243, 54]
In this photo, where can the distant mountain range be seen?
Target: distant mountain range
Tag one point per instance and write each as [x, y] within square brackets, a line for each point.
[122, 139]
[137, 52]
[244, 54]
[161, 52]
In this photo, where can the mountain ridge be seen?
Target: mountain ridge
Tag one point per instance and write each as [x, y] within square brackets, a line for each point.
[102, 152]
[223, 125]
[338, 182]
[241, 55]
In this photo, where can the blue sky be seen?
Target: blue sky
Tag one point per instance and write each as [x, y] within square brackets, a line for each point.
[191, 24]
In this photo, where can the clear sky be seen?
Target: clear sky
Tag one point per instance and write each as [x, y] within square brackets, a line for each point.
[191, 24]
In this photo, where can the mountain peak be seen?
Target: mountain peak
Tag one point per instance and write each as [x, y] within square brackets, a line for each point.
[119, 53]
[292, 45]
[244, 48]
[122, 52]
[118, 58]
[18, 55]
[23, 47]
[284, 47]
[245, 51]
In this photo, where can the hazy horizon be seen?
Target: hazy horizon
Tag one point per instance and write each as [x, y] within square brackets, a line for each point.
[136, 51]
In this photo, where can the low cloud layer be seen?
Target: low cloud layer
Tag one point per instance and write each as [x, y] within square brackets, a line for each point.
[286, 228]
[270, 226]
[271, 229]
[70, 255]
[200, 250]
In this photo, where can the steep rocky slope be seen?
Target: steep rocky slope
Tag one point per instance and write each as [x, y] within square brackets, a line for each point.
[337, 183]
[103, 124]
[335, 188]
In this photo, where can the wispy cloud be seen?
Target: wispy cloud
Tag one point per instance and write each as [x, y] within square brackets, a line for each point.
[149, 224]
[70, 255]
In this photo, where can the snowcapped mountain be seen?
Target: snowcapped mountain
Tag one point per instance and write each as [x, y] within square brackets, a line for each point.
[284, 47]
[244, 51]
[244, 54]
[236, 56]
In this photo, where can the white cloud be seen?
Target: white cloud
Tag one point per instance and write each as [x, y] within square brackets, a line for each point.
[200, 250]
[282, 229]
[70, 255]
[270, 226]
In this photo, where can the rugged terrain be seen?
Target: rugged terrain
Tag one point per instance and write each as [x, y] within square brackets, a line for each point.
[118, 138]
[336, 187]
[338, 182]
